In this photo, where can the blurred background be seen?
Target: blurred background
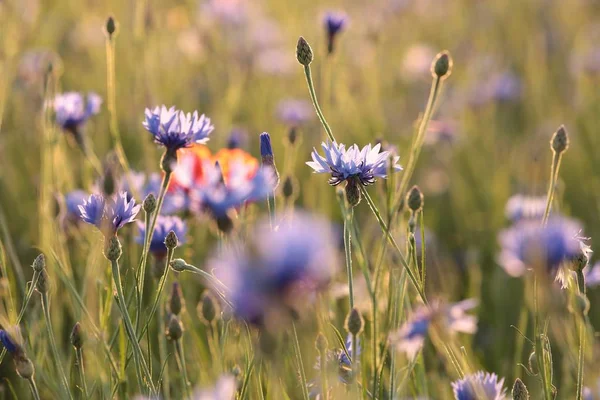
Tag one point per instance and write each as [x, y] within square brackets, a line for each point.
[521, 68]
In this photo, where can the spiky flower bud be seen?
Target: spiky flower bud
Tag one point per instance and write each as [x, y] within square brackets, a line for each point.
[174, 328]
[560, 140]
[208, 308]
[353, 192]
[77, 336]
[39, 263]
[24, 366]
[111, 27]
[43, 282]
[321, 343]
[304, 53]
[414, 199]
[171, 241]
[442, 65]
[149, 204]
[113, 250]
[519, 390]
[176, 299]
[354, 322]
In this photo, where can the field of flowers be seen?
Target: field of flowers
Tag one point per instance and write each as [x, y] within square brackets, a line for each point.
[272, 200]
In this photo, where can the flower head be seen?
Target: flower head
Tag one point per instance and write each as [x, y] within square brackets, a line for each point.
[531, 245]
[278, 270]
[521, 207]
[73, 200]
[164, 225]
[8, 342]
[109, 215]
[479, 386]
[451, 317]
[365, 165]
[175, 129]
[334, 22]
[592, 275]
[295, 112]
[73, 110]
[140, 184]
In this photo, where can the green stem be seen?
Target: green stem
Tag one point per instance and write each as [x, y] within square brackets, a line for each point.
[313, 96]
[162, 354]
[79, 357]
[137, 351]
[348, 252]
[181, 362]
[581, 359]
[55, 353]
[556, 159]
[305, 395]
[34, 389]
[323, 370]
[391, 239]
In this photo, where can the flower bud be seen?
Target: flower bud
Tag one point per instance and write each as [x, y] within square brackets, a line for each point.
[560, 140]
[174, 328]
[43, 282]
[321, 343]
[111, 27]
[354, 322]
[224, 223]
[168, 160]
[414, 199]
[266, 154]
[208, 308]
[289, 188]
[24, 366]
[149, 204]
[304, 53]
[519, 391]
[171, 241]
[176, 299]
[178, 265]
[353, 192]
[292, 135]
[533, 364]
[77, 336]
[39, 263]
[442, 65]
[113, 250]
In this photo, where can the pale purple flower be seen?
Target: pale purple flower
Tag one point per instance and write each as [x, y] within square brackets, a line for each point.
[295, 112]
[501, 87]
[279, 269]
[139, 184]
[164, 225]
[479, 386]
[73, 200]
[410, 338]
[334, 23]
[365, 165]
[72, 109]
[225, 389]
[592, 275]
[175, 129]
[92, 209]
[521, 207]
[109, 215]
[552, 247]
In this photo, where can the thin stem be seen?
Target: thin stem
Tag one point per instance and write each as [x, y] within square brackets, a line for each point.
[34, 389]
[348, 253]
[354, 360]
[313, 96]
[391, 239]
[137, 351]
[581, 359]
[140, 273]
[323, 370]
[55, 353]
[181, 362]
[162, 354]
[79, 357]
[553, 177]
[271, 207]
[305, 395]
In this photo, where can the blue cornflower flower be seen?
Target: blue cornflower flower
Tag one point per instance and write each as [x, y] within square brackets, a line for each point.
[175, 129]
[72, 109]
[224, 389]
[237, 139]
[592, 275]
[163, 226]
[520, 207]
[295, 112]
[73, 200]
[345, 371]
[365, 165]
[141, 184]
[109, 215]
[334, 23]
[266, 150]
[219, 198]
[479, 386]
[279, 269]
[8, 342]
[551, 248]
[453, 317]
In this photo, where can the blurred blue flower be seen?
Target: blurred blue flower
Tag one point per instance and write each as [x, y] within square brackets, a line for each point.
[279, 269]
[592, 275]
[175, 129]
[345, 371]
[72, 109]
[237, 139]
[73, 200]
[109, 215]
[365, 165]
[7, 341]
[479, 386]
[218, 198]
[295, 112]
[521, 207]
[499, 87]
[410, 338]
[530, 245]
[164, 225]
[334, 23]
[224, 389]
[140, 184]
[266, 150]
